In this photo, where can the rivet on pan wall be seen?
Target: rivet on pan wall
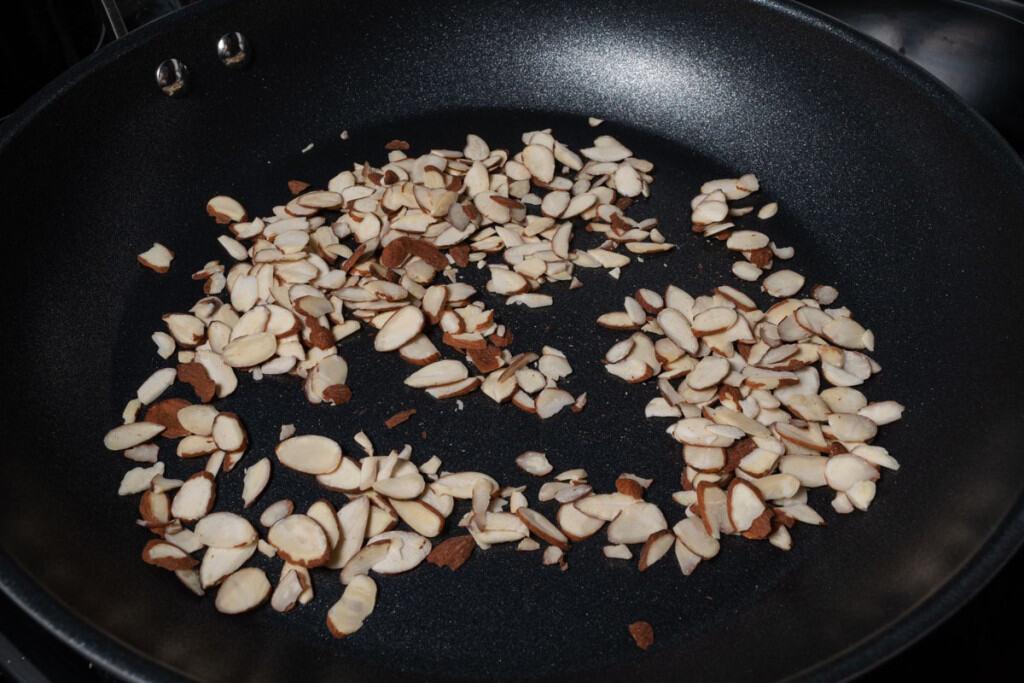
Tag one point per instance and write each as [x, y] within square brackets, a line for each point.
[172, 76]
[233, 50]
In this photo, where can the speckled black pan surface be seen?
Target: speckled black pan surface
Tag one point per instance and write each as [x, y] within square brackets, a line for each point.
[890, 189]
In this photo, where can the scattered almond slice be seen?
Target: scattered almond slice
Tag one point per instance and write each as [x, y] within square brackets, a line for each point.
[357, 602]
[244, 590]
[157, 258]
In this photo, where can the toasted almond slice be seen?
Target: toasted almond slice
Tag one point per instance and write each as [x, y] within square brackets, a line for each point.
[438, 373]
[219, 563]
[300, 540]
[132, 434]
[225, 530]
[244, 590]
[226, 210]
[401, 328]
[194, 499]
[576, 525]
[534, 462]
[635, 523]
[656, 547]
[357, 602]
[406, 551]
[543, 528]
[310, 453]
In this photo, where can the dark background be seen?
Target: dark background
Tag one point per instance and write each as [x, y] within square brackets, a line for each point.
[977, 48]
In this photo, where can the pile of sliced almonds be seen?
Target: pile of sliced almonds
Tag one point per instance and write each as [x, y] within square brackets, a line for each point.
[741, 384]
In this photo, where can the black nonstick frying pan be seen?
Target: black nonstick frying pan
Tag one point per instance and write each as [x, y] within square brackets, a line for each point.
[890, 188]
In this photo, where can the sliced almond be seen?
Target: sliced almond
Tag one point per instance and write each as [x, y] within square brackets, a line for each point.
[543, 528]
[635, 523]
[244, 590]
[126, 436]
[310, 453]
[194, 499]
[347, 615]
[300, 540]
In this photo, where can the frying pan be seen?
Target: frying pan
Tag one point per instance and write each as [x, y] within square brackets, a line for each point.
[890, 189]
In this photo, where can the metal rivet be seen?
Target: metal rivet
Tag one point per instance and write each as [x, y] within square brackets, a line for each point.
[172, 77]
[233, 50]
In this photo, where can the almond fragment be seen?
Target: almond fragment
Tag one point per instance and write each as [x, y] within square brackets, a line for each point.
[542, 527]
[226, 210]
[168, 556]
[642, 633]
[157, 258]
[357, 602]
[656, 547]
[534, 462]
[126, 436]
[255, 480]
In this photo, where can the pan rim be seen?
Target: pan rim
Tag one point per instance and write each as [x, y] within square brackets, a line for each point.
[891, 638]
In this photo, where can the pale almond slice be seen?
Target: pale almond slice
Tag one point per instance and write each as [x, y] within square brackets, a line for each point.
[156, 384]
[656, 547]
[404, 487]
[401, 328]
[576, 525]
[635, 523]
[809, 469]
[228, 433]
[554, 367]
[198, 418]
[882, 412]
[543, 528]
[347, 615]
[310, 454]
[704, 458]
[300, 540]
[687, 559]
[455, 389]
[437, 374]
[617, 552]
[157, 258]
[824, 294]
[194, 499]
[421, 517]
[781, 538]
[167, 556]
[287, 592]
[226, 210]
[225, 530]
[550, 401]
[531, 300]
[187, 330]
[219, 563]
[746, 240]
[406, 551]
[746, 271]
[250, 350]
[605, 506]
[540, 161]
[132, 434]
[244, 590]
[363, 561]
[710, 371]
[861, 494]
[767, 211]
[353, 520]
[276, 511]
[554, 555]
[678, 329]
[803, 513]
[697, 431]
[850, 427]
[617, 320]
[745, 505]
[783, 283]
[535, 463]
[419, 351]
[324, 514]
[712, 321]
[844, 471]
[460, 484]
[692, 533]
[190, 579]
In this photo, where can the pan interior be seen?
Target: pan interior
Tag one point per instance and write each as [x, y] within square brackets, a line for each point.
[876, 180]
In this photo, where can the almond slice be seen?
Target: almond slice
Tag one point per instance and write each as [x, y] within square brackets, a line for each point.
[163, 554]
[745, 505]
[276, 511]
[228, 433]
[225, 530]
[353, 519]
[157, 258]
[226, 210]
[712, 321]
[132, 434]
[550, 401]
[421, 517]
[401, 328]
[635, 523]
[605, 506]
[194, 499]
[347, 615]
[542, 527]
[244, 590]
[406, 551]
[404, 487]
[288, 590]
[219, 563]
[363, 561]
[709, 372]
[844, 471]
[576, 525]
[656, 547]
[255, 480]
[436, 374]
[310, 454]
[694, 536]
[535, 463]
[198, 418]
[300, 540]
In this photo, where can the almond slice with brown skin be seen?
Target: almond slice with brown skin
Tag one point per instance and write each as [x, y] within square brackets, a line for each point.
[168, 556]
[406, 551]
[157, 258]
[194, 499]
[452, 553]
[745, 505]
[712, 321]
[300, 540]
[244, 590]
[225, 530]
[421, 517]
[656, 547]
[219, 563]
[226, 210]
[439, 373]
[455, 389]
[363, 561]
[635, 523]
[694, 536]
[542, 527]
[310, 454]
[576, 525]
[276, 511]
[347, 615]
[709, 372]
[126, 436]
[287, 592]
[687, 559]
[550, 401]
[401, 328]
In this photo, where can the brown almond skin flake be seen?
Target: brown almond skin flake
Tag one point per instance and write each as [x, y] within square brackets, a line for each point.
[453, 552]
[643, 634]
